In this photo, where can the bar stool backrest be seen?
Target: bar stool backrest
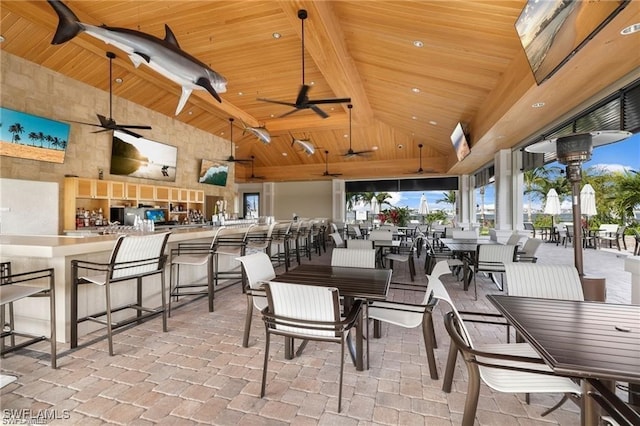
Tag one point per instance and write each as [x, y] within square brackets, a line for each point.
[138, 254]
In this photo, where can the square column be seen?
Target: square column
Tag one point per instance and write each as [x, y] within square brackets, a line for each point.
[504, 190]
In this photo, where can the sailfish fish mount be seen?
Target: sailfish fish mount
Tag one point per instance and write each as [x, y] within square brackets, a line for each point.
[163, 56]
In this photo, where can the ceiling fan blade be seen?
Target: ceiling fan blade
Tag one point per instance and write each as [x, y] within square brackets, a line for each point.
[127, 131]
[278, 102]
[133, 126]
[330, 101]
[288, 113]
[302, 98]
[318, 111]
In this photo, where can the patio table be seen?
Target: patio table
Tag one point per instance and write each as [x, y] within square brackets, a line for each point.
[465, 249]
[352, 283]
[596, 342]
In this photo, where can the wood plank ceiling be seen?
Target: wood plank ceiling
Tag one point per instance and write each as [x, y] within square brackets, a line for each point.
[471, 69]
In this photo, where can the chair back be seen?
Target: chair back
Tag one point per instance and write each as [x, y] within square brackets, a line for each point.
[493, 235]
[439, 292]
[609, 228]
[464, 235]
[294, 306]
[620, 231]
[514, 239]
[359, 244]
[493, 257]
[356, 231]
[258, 268]
[546, 281]
[381, 235]
[354, 258]
[440, 268]
[530, 247]
[138, 255]
[337, 239]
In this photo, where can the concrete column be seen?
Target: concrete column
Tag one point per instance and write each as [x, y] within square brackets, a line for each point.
[632, 264]
[504, 190]
[465, 200]
[517, 182]
[339, 200]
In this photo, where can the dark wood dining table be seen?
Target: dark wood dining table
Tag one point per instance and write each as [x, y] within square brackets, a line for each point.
[352, 283]
[596, 342]
[465, 249]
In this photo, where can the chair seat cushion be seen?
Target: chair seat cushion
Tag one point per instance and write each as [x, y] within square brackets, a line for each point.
[408, 316]
[190, 259]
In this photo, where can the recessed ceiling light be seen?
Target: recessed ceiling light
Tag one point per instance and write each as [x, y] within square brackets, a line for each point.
[312, 83]
[190, 112]
[272, 115]
[374, 148]
[538, 105]
[1, 39]
[346, 135]
[400, 146]
[276, 35]
[284, 154]
[413, 117]
[418, 43]
[433, 123]
[240, 93]
[118, 80]
[630, 29]
[415, 90]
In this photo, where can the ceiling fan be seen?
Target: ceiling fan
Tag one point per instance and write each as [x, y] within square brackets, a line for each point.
[420, 169]
[303, 101]
[351, 153]
[109, 123]
[231, 158]
[253, 176]
[326, 166]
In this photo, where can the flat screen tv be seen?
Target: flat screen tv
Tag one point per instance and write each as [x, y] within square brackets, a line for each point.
[142, 158]
[552, 31]
[28, 136]
[213, 173]
[460, 142]
[155, 215]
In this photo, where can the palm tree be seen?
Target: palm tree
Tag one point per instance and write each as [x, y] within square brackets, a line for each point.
[627, 189]
[17, 130]
[535, 179]
[448, 198]
[34, 137]
[354, 198]
[41, 137]
[382, 198]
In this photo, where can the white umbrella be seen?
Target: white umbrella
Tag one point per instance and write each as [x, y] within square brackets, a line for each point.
[588, 201]
[552, 206]
[375, 207]
[424, 206]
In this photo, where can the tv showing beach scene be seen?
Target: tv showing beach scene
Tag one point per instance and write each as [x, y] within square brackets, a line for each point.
[552, 31]
[213, 173]
[142, 158]
[28, 136]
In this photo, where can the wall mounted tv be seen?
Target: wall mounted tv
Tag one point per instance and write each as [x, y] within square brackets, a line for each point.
[552, 31]
[142, 158]
[460, 142]
[213, 173]
[28, 136]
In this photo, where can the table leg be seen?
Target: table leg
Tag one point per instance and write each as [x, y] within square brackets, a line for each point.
[359, 349]
[589, 415]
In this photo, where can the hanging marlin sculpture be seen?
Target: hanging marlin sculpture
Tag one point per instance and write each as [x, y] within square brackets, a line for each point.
[260, 132]
[305, 144]
[163, 56]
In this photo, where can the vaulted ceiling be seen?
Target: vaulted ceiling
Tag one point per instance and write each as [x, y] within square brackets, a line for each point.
[470, 68]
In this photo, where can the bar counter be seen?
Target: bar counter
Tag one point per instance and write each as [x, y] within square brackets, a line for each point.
[31, 252]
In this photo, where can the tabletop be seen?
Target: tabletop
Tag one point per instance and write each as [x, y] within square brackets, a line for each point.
[579, 339]
[370, 284]
[465, 245]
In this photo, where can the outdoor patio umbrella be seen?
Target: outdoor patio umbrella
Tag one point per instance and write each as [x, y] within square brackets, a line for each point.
[375, 207]
[588, 201]
[552, 205]
[424, 206]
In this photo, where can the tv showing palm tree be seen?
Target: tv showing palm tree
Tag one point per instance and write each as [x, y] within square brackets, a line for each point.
[23, 135]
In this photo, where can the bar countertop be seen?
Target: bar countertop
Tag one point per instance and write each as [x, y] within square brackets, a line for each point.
[50, 246]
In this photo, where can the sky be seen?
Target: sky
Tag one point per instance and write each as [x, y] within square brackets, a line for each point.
[624, 155]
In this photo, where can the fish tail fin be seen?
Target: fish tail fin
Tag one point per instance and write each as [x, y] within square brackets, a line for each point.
[68, 23]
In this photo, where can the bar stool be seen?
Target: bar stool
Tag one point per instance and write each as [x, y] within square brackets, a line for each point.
[229, 246]
[193, 255]
[134, 257]
[14, 287]
[280, 238]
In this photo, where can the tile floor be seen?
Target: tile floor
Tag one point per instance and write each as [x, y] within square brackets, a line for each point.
[199, 373]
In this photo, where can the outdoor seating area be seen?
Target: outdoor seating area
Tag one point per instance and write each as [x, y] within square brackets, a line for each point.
[211, 367]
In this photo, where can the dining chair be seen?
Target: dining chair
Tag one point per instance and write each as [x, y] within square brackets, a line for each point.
[193, 255]
[491, 258]
[406, 256]
[354, 258]
[505, 367]
[508, 368]
[280, 238]
[514, 239]
[412, 315]
[260, 242]
[338, 242]
[258, 269]
[615, 237]
[432, 258]
[134, 257]
[528, 251]
[18, 286]
[306, 312]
